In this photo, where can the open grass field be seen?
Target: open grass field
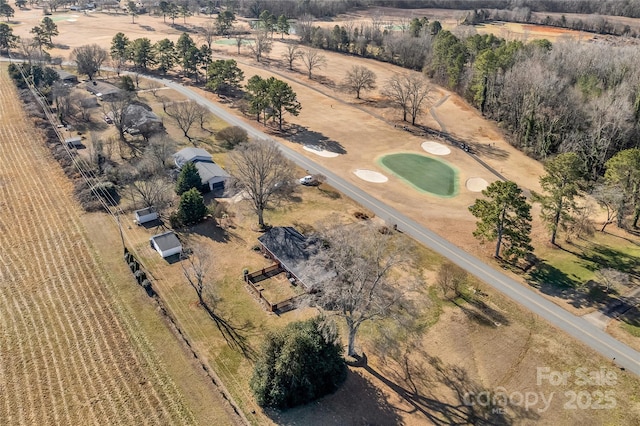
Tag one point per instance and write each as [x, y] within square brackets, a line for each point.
[424, 173]
[70, 352]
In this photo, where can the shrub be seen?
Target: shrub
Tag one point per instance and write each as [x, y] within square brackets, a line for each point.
[231, 136]
[298, 364]
[175, 221]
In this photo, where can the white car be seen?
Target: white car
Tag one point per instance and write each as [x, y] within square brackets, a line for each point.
[307, 180]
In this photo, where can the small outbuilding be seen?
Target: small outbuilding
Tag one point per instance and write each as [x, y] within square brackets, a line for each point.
[74, 142]
[166, 244]
[67, 77]
[146, 215]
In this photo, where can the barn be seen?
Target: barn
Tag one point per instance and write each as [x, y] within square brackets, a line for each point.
[167, 244]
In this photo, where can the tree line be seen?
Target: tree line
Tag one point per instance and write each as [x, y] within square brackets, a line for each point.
[551, 98]
[628, 8]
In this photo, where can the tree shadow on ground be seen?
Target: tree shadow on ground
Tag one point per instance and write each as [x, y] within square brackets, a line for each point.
[357, 402]
[554, 282]
[632, 316]
[304, 136]
[480, 312]
[598, 256]
[488, 150]
[416, 374]
[629, 240]
[210, 229]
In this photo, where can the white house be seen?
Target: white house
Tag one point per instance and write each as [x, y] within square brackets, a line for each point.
[166, 244]
[211, 174]
[191, 155]
[146, 215]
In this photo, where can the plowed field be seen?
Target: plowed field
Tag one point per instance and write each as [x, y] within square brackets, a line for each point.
[69, 354]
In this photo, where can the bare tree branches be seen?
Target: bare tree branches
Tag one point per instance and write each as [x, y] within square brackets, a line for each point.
[185, 114]
[261, 44]
[260, 170]
[359, 78]
[313, 59]
[408, 92]
[364, 285]
[291, 54]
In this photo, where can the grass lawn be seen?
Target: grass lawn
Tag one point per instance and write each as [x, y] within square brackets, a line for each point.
[570, 270]
[232, 42]
[424, 173]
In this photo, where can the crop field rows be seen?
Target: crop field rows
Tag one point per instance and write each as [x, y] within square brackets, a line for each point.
[69, 354]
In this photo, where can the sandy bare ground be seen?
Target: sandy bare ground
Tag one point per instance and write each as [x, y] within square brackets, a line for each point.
[69, 353]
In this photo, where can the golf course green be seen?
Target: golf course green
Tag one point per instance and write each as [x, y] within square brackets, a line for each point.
[423, 173]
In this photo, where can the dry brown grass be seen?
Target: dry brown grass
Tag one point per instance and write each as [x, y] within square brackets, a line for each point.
[70, 352]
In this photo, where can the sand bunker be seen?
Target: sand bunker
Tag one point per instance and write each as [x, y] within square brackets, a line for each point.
[319, 151]
[476, 184]
[435, 148]
[371, 176]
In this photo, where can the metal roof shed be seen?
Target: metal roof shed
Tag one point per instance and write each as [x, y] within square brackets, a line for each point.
[146, 215]
[166, 244]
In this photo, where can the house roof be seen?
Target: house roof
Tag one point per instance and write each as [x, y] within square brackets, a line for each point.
[189, 154]
[166, 241]
[140, 118]
[209, 170]
[295, 252]
[74, 140]
[66, 75]
[102, 88]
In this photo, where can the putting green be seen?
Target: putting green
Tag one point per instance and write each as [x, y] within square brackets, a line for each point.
[423, 173]
[232, 42]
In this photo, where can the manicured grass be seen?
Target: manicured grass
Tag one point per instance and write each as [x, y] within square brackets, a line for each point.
[634, 330]
[232, 42]
[576, 262]
[424, 173]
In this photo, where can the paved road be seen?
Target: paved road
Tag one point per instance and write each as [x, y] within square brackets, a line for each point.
[576, 326]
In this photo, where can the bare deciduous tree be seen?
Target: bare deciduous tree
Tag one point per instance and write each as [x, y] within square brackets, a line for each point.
[240, 37]
[185, 114]
[160, 149]
[152, 192]
[612, 278]
[364, 280]
[291, 54]
[408, 92]
[451, 278]
[153, 86]
[359, 78]
[195, 268]
[207, 33]
[89, 58]
[610, 198]
[261, 171]
[117, 109]
[232, 136]
[261, 44]
[313, 59]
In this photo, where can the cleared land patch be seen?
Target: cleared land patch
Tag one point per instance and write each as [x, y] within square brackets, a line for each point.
[69, 354]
